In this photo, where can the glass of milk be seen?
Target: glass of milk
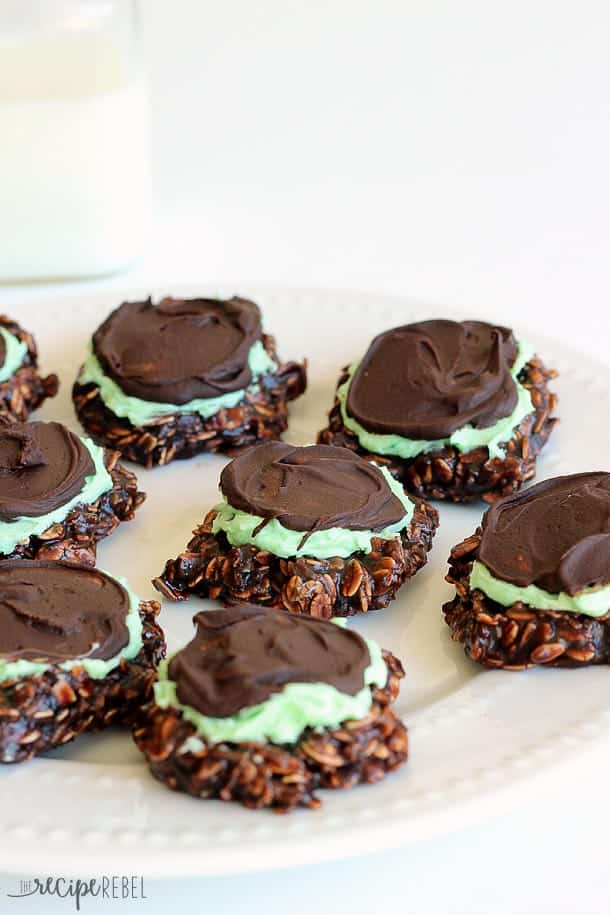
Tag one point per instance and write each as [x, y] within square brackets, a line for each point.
[74, 168]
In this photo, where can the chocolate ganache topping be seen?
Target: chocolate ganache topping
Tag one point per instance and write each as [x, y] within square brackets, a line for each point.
[555, 535]
[57, 611]
[311, 489]
[242, 655]
[179, 350]
[42, 467]
[424, 381]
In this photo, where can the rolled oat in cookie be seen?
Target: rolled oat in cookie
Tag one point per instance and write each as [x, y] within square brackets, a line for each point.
[454, 410]
[78, 651]
[315, 530]
[263, 707]
[169, 380]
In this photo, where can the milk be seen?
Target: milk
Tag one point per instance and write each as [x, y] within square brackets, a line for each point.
[74, 175]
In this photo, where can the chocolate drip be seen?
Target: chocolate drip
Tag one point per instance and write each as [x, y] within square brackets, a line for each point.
[243, 655]
[311, 489]
[424, 381]
[555, 535]
[53, 612]
[42, 467]
[180, 349]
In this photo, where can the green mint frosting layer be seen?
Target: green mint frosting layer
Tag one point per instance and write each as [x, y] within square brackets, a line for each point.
[464, 439]
[239, 528]
[283, 717]
[21, 529]
[591, 602]
[142, 412]
[97, 668]
[15, 351]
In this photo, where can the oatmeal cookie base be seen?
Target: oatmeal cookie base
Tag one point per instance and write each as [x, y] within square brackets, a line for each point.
[211, 567]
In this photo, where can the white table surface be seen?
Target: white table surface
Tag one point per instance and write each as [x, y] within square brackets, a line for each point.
[456, 153]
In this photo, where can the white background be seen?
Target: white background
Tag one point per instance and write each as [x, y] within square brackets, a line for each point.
[456, 152]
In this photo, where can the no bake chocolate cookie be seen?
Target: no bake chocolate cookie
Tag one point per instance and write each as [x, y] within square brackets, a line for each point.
[264, 707]
[22, 387]
[78, 651]
[455, 410]
[533, 582]
[59, 494]
[316, 530]
[169, 380]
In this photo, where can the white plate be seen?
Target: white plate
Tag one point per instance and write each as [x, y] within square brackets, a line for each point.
[479, 738]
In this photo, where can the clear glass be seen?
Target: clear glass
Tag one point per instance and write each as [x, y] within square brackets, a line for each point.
[74, 168]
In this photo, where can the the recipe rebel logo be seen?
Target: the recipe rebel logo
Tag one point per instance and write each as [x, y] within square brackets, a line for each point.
[111, 887]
